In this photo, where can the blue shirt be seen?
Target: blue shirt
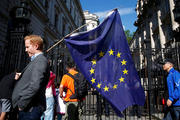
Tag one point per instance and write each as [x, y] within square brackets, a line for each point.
[173, 83]
[35, 55]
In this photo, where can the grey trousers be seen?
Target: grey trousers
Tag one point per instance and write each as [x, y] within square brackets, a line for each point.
[73, 111]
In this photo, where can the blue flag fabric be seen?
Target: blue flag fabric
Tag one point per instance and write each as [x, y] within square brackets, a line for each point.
[103, 56]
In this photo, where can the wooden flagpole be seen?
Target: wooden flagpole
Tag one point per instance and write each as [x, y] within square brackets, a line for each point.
[66, 36]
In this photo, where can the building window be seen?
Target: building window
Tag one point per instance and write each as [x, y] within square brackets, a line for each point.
[64, 1]
[169, 32]
[64, 27]
[157, 41]
[74, 17]
[70, 9]
[70, 30]
[167, 7]
[60, 22]
[93, 25]
[56, 20]
[46, 4]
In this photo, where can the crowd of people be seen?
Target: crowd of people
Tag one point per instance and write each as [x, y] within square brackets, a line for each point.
[32, 95]
[55, 107]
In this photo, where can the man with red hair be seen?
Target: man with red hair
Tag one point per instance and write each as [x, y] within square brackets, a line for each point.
[29, 92]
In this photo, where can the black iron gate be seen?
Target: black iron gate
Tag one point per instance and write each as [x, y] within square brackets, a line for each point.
[153, 80]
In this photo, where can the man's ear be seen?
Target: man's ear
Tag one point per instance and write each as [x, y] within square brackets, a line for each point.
[36, 46]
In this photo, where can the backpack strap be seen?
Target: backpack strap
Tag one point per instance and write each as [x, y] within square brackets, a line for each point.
[70, 75]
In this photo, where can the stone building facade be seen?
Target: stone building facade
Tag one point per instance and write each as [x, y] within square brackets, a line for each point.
[156, 28]
[92, 19]
[51, 19]
[156, 39]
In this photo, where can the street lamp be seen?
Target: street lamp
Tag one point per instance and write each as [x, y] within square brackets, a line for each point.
[21, 13]
[20, 19]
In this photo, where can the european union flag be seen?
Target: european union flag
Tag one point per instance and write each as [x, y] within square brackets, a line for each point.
[103, 56]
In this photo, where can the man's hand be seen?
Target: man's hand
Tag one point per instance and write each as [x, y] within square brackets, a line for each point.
[17, 76]
[20, 109]
[61, 95]
[169, 103]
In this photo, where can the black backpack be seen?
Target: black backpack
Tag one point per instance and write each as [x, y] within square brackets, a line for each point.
[80, 86]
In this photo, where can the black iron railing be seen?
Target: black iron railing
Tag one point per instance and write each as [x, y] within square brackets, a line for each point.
[153, 80]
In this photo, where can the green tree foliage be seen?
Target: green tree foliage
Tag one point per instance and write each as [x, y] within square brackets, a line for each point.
[129, 35]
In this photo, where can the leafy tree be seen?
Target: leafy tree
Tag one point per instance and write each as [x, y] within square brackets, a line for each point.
[129, 35]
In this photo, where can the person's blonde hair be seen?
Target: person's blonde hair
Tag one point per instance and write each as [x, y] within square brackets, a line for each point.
[35, 39]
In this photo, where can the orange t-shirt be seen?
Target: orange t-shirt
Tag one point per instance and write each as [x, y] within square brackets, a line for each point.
[68, 83]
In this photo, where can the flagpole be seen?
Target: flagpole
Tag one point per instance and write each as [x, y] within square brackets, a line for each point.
[66, 36]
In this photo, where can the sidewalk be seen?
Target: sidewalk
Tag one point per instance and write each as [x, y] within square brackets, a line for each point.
[112, 117]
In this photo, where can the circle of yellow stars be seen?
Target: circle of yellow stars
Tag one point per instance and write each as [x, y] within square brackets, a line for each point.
[121, 79]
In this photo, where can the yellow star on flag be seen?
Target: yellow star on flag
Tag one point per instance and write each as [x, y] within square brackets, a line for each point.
[115, 86]
[93, 80]
[111, 52]
[118, 55]
[125, 71]
[93, 62]
[99, 85]
[91, 71]
[121, 79]
[123, 62]
[106, 88]
[101, 54]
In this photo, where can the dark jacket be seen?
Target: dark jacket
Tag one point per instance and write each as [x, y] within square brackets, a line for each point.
[30, 89]
[6, 86]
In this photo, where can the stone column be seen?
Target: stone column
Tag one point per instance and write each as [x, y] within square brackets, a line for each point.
[141, 56]
[171, 7]
[151, 33]
[161, 34]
